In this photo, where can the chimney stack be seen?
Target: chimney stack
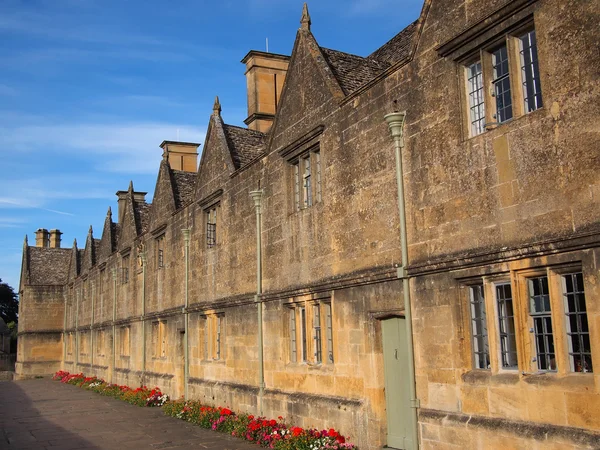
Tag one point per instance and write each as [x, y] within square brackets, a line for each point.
[265, 74]
[41, 238]
[181, 155]
[55, 238]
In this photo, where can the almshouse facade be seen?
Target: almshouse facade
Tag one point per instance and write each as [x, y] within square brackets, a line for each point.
[499, 185]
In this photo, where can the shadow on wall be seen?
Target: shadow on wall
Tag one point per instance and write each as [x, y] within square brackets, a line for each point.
[23, 425]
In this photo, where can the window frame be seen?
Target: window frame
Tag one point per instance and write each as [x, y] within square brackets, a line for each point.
[514, 79]
[160, 251]
[526, 346]
[307, 178]
[125, 341]
[213, 337]
[211, 216]
[310, 332]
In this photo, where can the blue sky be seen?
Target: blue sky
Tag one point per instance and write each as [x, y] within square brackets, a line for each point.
[90, 88]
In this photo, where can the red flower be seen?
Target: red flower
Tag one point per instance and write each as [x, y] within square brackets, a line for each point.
[296, 431]
[226, 412]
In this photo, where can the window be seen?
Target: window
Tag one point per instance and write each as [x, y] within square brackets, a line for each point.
[84, 348]
[160, 252]
[530, 72]
[319, 349]
[214, 329]
[475, 91]
[124, 340]
[100, 342]
[211, 226]
[539, 308]
[307, 179]
[481, 352]
[501, 83]
[541, 312]
[493, 78]
[318, 352]
[159, 339]
[506, 326]
[580, 353]
[125, 270]
[70, 344]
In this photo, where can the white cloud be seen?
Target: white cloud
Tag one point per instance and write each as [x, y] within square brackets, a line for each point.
[132, 147]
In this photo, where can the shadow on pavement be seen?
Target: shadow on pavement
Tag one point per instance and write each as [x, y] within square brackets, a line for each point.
[29, 419]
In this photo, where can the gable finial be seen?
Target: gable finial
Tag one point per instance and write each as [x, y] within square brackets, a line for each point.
[109, 213]
[75, 243]
[217, 107]
[26, 243]
[305, 20]
[130, 186]
[90, 231]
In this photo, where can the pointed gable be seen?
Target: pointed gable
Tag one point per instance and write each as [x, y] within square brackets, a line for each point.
[107, 243]
[164, 202]
[219, 157]
[89, 253]
[134, 215]
[74, 261]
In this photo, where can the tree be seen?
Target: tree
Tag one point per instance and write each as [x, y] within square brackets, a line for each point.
[9, 303]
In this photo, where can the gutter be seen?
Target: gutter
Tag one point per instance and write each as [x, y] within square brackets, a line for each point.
[395, 123]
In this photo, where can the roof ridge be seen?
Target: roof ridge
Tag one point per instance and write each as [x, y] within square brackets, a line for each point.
[244, 129]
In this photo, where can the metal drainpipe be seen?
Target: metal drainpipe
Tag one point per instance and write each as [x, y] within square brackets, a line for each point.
[92, 328]
[143, 258]
[114, 327]
[395, 123]
[77, 331]
[257, 197]
[186, 362]
[65, 333]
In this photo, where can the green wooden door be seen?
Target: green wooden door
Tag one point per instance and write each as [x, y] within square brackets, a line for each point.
[397, 387]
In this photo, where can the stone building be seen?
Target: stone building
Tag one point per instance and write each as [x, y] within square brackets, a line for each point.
[294, 300]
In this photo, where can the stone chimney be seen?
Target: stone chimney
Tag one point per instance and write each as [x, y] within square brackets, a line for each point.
[55, 238]
[265, 74]
[41, 238]
[181, 155]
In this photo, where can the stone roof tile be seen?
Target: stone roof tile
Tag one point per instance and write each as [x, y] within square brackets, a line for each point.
[183, 186]
[353, 71]
[49, 266]
[142, 215]
[245, 145]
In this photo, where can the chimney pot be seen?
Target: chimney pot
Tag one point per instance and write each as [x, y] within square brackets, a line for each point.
[265, 75]
[41, 238]
[181, 155]
[55, 238]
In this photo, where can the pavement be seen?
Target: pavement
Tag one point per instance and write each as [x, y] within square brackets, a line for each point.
[44, 414]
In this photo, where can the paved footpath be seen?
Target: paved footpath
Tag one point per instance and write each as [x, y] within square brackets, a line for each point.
[44, 414]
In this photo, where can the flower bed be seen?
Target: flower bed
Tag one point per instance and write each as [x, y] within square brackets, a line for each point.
[141, 396]
[272, 433]
[275, 434]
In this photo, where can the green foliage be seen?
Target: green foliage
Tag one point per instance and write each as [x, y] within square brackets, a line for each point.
[9, 303]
